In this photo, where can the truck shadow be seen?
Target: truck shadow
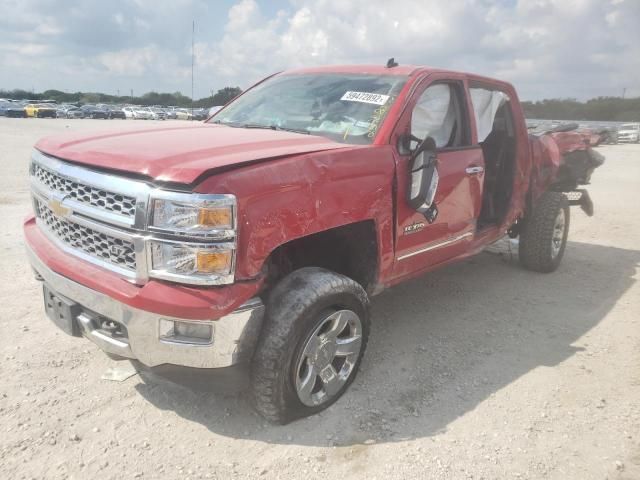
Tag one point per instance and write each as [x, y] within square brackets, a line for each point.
[440, 345]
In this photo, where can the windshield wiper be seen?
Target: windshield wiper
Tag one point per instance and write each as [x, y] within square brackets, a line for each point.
[264, 127]
[273, 127]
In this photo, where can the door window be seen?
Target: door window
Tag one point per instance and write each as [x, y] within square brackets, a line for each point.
[486, 104]
[438, 114]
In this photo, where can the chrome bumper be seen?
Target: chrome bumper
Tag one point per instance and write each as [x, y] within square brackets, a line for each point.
[233, 340]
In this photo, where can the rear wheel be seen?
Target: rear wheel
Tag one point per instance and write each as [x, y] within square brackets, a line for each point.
[543, 238]
[316, 330]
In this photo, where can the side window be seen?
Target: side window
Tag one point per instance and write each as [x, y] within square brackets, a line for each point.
[486, 104]
[438, 114]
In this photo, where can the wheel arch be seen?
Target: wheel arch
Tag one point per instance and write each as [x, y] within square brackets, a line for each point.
[351, 250]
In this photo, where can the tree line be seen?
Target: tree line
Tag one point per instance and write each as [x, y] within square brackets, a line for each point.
[598, 109]
[221, 97]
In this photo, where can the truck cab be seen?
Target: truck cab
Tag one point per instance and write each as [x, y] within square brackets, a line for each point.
[257, 237]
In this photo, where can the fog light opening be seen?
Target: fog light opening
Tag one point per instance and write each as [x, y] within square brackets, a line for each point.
[195, 333]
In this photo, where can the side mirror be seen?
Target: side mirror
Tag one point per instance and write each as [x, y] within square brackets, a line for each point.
[423, 181]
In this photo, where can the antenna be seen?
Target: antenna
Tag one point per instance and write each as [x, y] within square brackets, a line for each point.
[193, 32]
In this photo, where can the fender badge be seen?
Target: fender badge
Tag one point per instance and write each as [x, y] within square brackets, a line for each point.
[414, 228]
[56, 207]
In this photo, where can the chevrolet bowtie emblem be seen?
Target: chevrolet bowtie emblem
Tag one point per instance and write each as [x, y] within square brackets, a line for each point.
[56, 207]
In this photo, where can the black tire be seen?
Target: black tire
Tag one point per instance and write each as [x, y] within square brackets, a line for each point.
[536, 247]
[295, 307]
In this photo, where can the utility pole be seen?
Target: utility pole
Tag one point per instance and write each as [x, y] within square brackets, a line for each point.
[193, 32]
[132, 95]
[624, 91]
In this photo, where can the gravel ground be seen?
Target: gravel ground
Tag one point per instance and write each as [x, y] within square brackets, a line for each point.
[480, 370]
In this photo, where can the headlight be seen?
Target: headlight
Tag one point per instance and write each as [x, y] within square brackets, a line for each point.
[194, 215]
[192, 263]
[205, 253]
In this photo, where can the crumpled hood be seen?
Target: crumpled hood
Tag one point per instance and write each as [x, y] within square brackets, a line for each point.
[180, 153]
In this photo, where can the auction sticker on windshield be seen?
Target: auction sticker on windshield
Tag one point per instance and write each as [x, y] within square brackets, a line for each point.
[364, 97]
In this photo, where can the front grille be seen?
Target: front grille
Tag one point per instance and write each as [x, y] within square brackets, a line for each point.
[104, 247]
[96, 197]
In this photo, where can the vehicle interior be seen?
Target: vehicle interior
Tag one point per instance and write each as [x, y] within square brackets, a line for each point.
[499, 151]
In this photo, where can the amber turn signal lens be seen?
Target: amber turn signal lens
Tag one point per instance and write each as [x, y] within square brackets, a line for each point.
[213, 262]
[215, 217]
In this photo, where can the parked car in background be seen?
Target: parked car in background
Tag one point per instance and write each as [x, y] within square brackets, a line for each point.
[15, 110]
[183, 114]
[215, 109]
[171, 113]
[200, 114]
[128, 112]
[156, 113]
[69, 111]
[136, 113]
[93, 111]
[4, 106]
[608, 134]
[46, 110]
[61, 110]
[629, 132]
[30, 109]
[40, 110]
[115, 111]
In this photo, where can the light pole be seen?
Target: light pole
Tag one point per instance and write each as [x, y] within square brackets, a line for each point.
[193, 32]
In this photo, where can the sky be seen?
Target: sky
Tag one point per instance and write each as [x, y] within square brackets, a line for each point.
[546, 48]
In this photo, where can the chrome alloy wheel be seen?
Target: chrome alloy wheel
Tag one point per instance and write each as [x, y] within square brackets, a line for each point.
[328, 358]
[558, 234]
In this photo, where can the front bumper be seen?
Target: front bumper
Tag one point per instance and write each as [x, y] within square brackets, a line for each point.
[233, 340]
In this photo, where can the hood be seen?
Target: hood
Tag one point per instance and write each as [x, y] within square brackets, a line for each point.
[180, 153]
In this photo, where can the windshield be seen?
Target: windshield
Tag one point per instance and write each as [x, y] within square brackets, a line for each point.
[348, 108]
[630, 126]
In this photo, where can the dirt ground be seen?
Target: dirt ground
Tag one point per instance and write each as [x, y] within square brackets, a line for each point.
[480, 371]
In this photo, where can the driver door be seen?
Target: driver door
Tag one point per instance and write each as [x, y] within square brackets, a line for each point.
[439, 110]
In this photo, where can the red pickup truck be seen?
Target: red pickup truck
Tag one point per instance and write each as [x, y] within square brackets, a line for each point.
[257, 237]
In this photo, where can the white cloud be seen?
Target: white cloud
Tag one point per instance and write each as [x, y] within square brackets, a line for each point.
[554, 48]
[134, 62]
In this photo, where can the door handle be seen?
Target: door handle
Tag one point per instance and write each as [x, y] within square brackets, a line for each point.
[474, 170]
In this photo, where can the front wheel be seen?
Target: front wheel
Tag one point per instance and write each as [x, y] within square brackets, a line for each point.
[316, 331]
[543, 238]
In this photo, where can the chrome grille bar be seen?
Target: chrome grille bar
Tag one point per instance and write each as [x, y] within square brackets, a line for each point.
[96, 197]
[104, 247]
[115, 200]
